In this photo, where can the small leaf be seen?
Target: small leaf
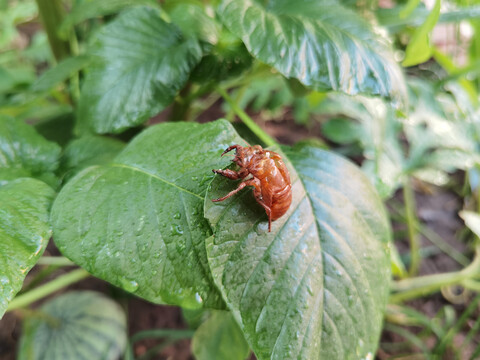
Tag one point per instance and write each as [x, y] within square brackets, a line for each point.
[138, 222]
[77, 325]
[142, 62]
[341, 130]
[219, 338]
[317, 285]
[24, 232]
[89, 150]
[89, 9]
[419, 49]
[60, 73]
[320, 43]
[24, 151]
[472, 220]
[192, 19]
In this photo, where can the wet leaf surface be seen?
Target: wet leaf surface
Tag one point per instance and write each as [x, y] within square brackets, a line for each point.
[317, 285]
[24, 232]
[138, 222]
[321, 43]
[141, 63]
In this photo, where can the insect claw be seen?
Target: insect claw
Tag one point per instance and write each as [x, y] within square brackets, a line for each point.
[230, 148]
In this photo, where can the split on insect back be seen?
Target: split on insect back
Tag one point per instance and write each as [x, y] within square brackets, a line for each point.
[266, 172]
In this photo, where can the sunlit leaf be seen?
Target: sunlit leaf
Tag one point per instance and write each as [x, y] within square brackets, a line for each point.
[320, 43]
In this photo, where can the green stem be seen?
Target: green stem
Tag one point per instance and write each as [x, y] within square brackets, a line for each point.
[52, 14]
[47, 289]
[434, 238]
[410, 209]
[55, 260]
[257, 130]
[408, 289]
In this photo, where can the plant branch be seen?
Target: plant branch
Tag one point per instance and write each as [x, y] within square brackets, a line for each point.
[55, 260]
[408, 289]
[410, 209]
[47, 289]
[52, 14]
[257, 130]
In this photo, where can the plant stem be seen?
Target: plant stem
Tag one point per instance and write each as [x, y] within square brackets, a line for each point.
[257, 130]
[410, 209]
[408, 289]
[55, 260]
[47, 289]
[52, 14]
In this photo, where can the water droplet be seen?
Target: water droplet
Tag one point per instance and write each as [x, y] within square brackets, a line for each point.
[140, 226]
[154, 272]
[198, 298]
[194, 178]
[129, 285]
[177, 215]
[338, 272]
[176, 230]
[4, 281]
[117, 254]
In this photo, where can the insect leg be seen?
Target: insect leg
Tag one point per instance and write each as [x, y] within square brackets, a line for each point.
[232, 174]
[233, 192]
[230, 148]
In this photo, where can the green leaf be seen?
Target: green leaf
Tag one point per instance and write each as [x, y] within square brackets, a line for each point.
[378, 133]
[317, 285]
[138, 222]
[24, 232]
[191, 18]
[62, 72]
[219, 338]
[77, 325]
[341, 130]
[419, 49]
[228, 58]
[84, 10]
[321, 43]
[472, 220]
[89, 150]
[24, 151]
[142, 63]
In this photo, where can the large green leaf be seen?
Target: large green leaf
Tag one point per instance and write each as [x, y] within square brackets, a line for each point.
[25, 152]
[219, 338]
[138, 222]
[24, 232]
[317, 285]
[321, 43]
[77, 325]
[142, 61]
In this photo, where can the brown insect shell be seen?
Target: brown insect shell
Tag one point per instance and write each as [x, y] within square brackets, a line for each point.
[268, 167]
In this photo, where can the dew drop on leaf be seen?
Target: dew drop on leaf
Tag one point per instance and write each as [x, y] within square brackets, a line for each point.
[129, 285]
[198, 298]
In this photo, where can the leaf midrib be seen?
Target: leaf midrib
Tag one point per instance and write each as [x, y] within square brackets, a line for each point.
[133, 168]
